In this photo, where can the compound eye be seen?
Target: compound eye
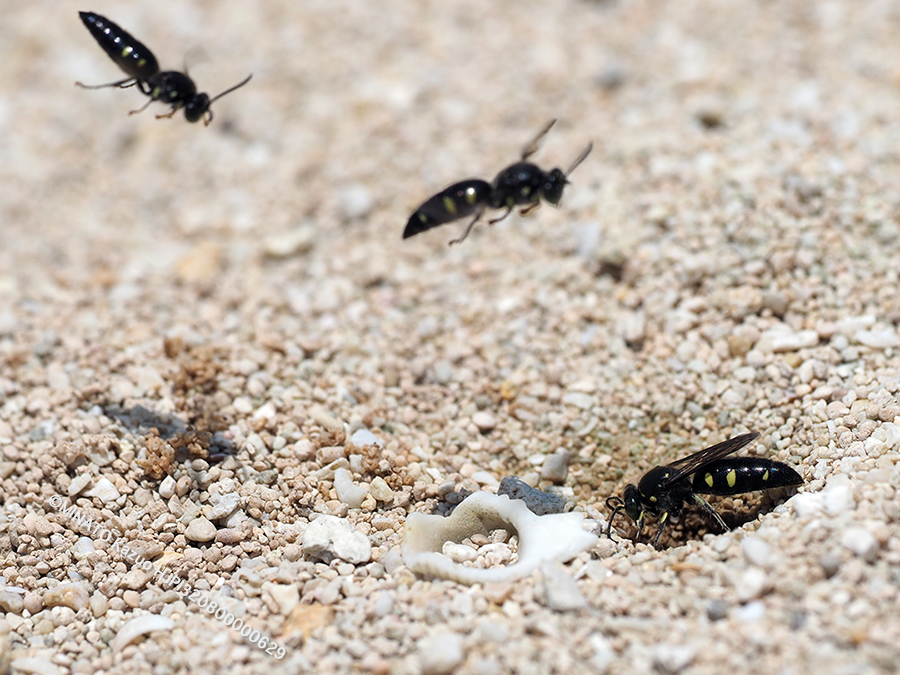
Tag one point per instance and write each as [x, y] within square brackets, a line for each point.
[633, 508]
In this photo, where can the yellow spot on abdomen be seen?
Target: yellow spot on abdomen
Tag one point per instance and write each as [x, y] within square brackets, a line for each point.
[766, 475]
[450, 205]
[731, 478]
[126, 52]
[470, 196]
[708, 479]
[142, 63]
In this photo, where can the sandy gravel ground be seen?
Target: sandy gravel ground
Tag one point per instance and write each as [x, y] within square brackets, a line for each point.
[194, 322]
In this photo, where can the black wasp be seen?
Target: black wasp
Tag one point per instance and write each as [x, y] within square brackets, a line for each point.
[168, 86]
[663, 490]
[520, 184]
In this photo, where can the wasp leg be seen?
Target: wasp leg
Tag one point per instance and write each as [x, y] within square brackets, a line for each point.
[167, 115]
[640, 528]
[663, 519]
[468, 229]
[711, 511]
[121, 84]
[497, 220]
[617, 507]
[141, 109]
[530, 208]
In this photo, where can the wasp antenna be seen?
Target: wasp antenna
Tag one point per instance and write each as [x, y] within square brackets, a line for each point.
[228, 91]
[581, 158]
[535, 143]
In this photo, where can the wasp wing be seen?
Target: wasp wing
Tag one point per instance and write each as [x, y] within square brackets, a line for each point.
[693, 463]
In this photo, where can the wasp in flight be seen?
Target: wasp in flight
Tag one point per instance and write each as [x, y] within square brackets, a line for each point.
[520, 184]
[663, 491]
[132, 56]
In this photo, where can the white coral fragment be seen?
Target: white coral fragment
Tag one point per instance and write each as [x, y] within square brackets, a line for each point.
[556, 537]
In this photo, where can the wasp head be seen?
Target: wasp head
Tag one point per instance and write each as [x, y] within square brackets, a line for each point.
[553, 185]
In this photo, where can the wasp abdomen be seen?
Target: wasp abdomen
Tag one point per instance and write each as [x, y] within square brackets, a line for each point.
[744, 474]
[130, 54]
[457, 201]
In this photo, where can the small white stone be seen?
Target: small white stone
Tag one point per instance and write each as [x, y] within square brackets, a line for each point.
[384, 604]
[10, 601]
[756, 551]
[854, 324]
[459, 553]
[141, 625]
[285, 597]
[200, 530]
[561, 592]
[752, 611]
[673, 658]
[485, 478]
[751, 584]
[83, 548]
[67, 594]
[441, 653]
[225, 506]
[79, 483]
[329, 537]
[35, 665]
[877, 339]
[355, 200]
[783, 338]
[37, 525]
[838, 500]
[484, 420]
[167, 487]
[579, 400]
[348, 492]
[861, 542]
[287, 244]
[104, 490]
[135, 579]
[363, 437]
[265, 412]
[380, 490]
[807, 504]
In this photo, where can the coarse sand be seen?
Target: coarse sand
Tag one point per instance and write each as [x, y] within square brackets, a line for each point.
[216, 348]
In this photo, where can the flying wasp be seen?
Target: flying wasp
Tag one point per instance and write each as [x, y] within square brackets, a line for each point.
[169, 86]
[520, 184]
[663, 491]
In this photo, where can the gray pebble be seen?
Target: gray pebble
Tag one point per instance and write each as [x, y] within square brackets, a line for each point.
[717, 610]
[556, 467]
[830, 563]
[538, 502]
